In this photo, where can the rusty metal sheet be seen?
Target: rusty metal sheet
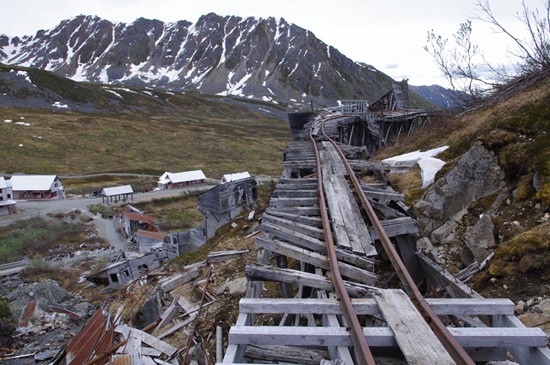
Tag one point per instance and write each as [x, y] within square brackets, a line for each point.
[27, 313]
[82, 347]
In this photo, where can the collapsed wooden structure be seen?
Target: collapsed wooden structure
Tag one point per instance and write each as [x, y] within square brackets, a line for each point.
[299, 319]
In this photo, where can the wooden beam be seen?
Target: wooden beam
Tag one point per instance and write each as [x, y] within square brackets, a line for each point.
[454, 287]
[368, 306]
[319, 246]
[415, 338]
[381, 336]
[315, 259]
[268, 273]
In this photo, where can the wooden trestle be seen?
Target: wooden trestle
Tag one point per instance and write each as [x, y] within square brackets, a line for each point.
[306, 323]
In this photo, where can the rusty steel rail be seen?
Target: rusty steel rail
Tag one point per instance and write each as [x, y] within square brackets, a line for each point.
[361, 348]
[454, 349]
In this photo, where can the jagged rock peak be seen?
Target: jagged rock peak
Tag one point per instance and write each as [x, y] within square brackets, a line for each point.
[261, 58]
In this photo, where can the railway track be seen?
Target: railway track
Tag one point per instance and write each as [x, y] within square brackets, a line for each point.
[335, 243]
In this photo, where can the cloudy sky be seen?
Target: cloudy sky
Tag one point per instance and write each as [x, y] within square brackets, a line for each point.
[388, 34]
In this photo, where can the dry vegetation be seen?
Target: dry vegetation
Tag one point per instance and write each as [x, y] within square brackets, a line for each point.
[517, 130]
[204, 134]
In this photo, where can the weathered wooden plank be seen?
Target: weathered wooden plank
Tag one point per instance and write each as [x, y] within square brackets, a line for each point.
[285, 354]
[187, 306]
[293, 186]
[368, 306]
[330, 160]
[146, 338]
[310, 221]
[298, 181]
[381, 336]
[220, 256]
[293, 202]
[294, 193]
[268, 273]
[522, 354]
[397, 227]
[174, 281]
[313, 244]
[338, 222]
[383, 196]
[304, 164]
[306, 229]
[305, 211]
[416, 340]
[342, 353]
[345, 211]
[315, 259]
[446, 280]
[168, 314]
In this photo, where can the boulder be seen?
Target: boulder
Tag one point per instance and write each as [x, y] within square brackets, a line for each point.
[476, 175]
[480, 238]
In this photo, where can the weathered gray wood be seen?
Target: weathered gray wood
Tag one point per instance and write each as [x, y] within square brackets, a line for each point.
[220, 256]
[313, 258]
[397, 227]
[387, 212]
[305, 211]
[535, 355]
[176, 327]
[174, 281]
[268, 273]
[187, 306]
[168, 314]
[407, 250]
[381, 336]
[330, 320]
[293, 202]
[294, 193]
[416, 340]
[304, 164]
[454, 287]
[310, 221]
[306, 229]
[368, 306]
[383, 197]
[311, 243]
[302, 186]
[344, 212]
[148, 339]
[331, 161]
[285, 354]
[298, 181]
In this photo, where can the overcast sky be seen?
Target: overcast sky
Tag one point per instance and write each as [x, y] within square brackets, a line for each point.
[388, 34]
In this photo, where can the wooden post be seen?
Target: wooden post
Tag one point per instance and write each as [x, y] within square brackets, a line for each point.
[219, 344]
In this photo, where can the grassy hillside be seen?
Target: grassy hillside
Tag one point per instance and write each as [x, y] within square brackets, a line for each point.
[517, 131]
[196, 133]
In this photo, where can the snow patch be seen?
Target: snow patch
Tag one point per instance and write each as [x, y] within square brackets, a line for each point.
[59, 105]
[428, 164]
[8, 121]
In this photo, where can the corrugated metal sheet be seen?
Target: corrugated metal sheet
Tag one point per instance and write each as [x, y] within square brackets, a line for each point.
[83, 347]
[141, 218]
[127, 359]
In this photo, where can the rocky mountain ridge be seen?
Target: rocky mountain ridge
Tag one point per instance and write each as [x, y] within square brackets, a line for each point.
[263, 59]
[259, 58]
